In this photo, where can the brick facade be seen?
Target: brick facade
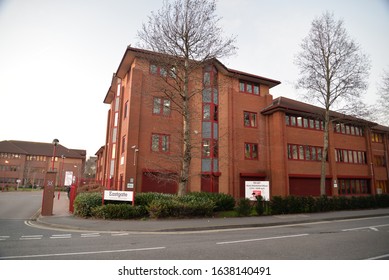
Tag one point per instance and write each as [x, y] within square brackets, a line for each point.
[238, 132]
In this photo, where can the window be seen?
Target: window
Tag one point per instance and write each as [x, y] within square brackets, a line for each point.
[304, 152]
[160, 143]
[350, 156]
[123, 144]
[250, 151]
[161, 106]
[125, 110]
[250, 119]
[348, 129]
[379, 161]
[353, 186]
[376, 137]
[157, 70]
[304, 122]
[248, 87]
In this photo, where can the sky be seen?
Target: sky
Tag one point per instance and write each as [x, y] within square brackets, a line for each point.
[57, 57]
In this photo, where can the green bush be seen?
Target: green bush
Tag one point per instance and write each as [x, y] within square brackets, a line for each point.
[259, 206]
[180, 207]
[244, 207]
[84, 203]
[119, 211]
[144, 199]
[223, 202]
[278, 205]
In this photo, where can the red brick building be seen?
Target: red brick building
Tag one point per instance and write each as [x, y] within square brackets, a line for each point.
[24, 163]
[238, 132]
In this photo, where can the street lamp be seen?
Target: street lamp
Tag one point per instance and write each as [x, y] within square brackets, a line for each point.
[5, 170]
[55, 143]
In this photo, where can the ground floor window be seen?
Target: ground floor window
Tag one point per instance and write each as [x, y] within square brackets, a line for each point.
[354, 186]
[381, 186]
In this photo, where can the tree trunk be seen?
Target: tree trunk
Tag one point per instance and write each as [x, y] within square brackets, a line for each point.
[325, 152]
[187, 147]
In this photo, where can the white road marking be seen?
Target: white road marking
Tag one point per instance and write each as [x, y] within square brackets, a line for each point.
[368, 227]
[261, 239]
[31, 237]
[4, 237]
[87, 235]
[81, 253]
[59, 236]
[120, 234]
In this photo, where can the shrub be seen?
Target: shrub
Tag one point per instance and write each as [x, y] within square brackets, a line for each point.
[278, 205]
[144, 199]
[244, 207]
[179, 207]
[259, 206]
[381, 200]
[223, 202]
[84, 203]
[119, 211]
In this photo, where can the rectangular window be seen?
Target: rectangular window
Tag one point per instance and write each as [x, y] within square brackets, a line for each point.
[250, 119]
[247, 87]
[161, 106]
[376, 137]
[350, 156]
[160, 143]
[354, 186]
[206, 112]
[251, 151]
[123, 144]
[125, 110]
[348, 129]
[304, 122]
[206, 148]
[304, 152]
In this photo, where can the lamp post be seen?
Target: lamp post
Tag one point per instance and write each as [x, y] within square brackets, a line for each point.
[4, 173]
[55, 143]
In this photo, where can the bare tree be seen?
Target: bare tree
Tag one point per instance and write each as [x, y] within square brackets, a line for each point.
[332, 70]
[187, 33]
[383, 100]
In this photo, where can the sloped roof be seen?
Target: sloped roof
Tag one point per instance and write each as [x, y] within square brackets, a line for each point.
[294, 106]
[131, 53]
[38, 148]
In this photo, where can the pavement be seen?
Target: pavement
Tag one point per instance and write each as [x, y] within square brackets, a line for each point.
[65, 220]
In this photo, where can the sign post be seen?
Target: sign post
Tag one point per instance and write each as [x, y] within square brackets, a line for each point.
[256, 188]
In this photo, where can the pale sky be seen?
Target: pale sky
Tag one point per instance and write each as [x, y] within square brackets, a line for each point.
[57, 57]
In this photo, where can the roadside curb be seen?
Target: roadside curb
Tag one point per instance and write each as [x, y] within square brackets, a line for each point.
[178, 229]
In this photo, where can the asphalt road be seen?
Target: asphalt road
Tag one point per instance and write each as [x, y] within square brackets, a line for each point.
[356, 239]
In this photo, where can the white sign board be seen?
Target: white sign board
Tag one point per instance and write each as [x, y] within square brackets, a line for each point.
[118, 195]
[68, 178]
[255, 188]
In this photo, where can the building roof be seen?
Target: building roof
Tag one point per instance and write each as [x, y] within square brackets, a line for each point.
[39, 149]
[293, 106]
[131, 53]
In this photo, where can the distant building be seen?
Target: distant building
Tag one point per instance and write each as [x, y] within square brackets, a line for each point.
[239, 134]
[24, 163]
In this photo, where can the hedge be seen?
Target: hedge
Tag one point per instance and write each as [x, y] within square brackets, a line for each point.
[308, 204]
[157, 205]
[119, 211]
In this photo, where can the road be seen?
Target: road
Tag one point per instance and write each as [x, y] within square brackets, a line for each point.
[364, 238]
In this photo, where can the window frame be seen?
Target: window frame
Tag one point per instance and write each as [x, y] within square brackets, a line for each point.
[251, 151]
[161, 138]
[250, 119]
[161, 106]
[249, 88]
